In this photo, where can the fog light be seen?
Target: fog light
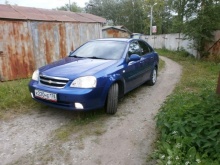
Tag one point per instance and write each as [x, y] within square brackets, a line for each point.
[32, 95]
[78, 106]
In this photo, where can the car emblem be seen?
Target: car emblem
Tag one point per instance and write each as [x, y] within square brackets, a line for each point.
[50, 82]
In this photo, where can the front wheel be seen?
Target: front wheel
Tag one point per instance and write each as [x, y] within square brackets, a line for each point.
[112, 100]
[153, 77]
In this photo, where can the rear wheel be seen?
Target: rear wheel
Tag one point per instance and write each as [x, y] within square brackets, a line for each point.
[153, 77]
[112, 100]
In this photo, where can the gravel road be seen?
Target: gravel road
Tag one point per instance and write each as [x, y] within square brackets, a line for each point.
[126, 138]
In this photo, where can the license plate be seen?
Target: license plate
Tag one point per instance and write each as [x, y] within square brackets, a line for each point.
[46, 95]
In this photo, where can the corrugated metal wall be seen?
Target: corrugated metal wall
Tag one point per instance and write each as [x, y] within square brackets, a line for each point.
[173, 41]
[27, 45]
[17, 50]
[177, 41]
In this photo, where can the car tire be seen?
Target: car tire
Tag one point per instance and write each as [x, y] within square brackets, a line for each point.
[112, 100]
[153, 77]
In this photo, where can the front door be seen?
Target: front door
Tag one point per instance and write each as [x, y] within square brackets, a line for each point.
[133, 70]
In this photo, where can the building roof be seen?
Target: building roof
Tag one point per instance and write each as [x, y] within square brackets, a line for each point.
[31, 13]
[121, 28]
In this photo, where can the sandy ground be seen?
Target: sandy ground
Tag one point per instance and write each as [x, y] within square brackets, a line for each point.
[126, 138]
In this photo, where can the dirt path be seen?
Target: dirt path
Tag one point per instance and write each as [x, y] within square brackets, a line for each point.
[125, 138]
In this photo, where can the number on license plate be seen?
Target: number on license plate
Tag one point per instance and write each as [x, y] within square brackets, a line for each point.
[46, 95]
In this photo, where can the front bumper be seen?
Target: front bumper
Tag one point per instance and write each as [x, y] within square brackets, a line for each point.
[68, 98]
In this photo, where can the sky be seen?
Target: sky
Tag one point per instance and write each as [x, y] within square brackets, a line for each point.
[45, 4]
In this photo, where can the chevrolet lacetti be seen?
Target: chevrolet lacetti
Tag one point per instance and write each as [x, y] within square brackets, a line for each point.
[96, 75]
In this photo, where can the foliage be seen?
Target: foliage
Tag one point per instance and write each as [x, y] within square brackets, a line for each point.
[158, 14]
[133, 14]
[200, 28]
[179, 8]
[192, 133]
[196, 19]
[71, 7]
[189, 120]
[104, 8]
[129, 13]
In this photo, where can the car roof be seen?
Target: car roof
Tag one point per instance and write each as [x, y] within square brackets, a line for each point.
[115, 39]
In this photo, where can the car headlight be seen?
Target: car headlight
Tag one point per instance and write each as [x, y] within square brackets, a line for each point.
[84, 82]
[35, 75]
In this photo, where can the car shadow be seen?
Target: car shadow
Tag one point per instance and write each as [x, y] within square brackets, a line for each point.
[44, 110]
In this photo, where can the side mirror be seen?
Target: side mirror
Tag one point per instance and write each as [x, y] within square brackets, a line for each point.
[134, 57]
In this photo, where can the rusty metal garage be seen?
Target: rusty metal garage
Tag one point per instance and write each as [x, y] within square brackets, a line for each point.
[116, 32]
[32, 37]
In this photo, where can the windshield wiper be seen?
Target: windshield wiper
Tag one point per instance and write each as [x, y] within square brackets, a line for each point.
[94, 57]
[76, 56]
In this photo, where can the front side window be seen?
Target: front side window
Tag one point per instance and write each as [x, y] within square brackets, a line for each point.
[134, 48]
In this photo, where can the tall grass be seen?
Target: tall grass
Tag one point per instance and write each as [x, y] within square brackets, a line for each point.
[15, 97]
[189, 122]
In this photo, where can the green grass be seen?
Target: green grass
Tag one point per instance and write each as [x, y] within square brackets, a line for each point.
[161, 65]
[15, 97]
[188, 121]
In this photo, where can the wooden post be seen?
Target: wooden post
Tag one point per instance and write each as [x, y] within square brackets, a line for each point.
[218, 86]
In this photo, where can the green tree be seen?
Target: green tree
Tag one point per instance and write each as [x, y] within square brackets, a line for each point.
[132, 15]
[179, 10]
[197, 19]
[119, 12]
[105, 8]
[72, 7]
[161, 16]
[203, 21]
[167, 18]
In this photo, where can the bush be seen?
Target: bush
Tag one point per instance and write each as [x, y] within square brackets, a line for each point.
[192, 133]
[188, 122]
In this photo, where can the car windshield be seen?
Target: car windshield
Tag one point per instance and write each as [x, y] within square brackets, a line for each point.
[109, 50]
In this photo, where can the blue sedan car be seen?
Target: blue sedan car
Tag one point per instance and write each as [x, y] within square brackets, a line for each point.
[96, 75]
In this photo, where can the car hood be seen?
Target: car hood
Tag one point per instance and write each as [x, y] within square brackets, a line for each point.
[71, 67]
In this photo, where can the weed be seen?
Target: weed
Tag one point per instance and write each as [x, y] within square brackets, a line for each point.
[15, 98]
[189, 120]
[161, 65]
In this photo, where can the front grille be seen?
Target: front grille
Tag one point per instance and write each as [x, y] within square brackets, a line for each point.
[56, 82]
